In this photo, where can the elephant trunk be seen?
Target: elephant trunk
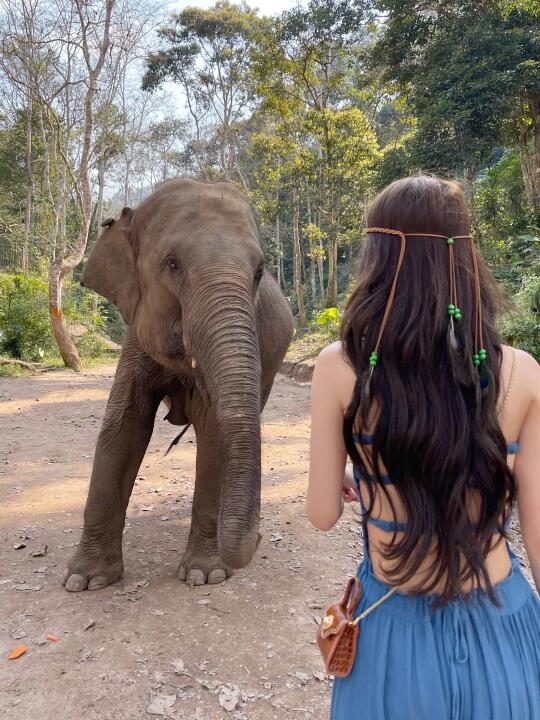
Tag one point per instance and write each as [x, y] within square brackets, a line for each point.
[226, 348]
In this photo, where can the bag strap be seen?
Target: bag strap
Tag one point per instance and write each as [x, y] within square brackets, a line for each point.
[351, 594]
[373, 607]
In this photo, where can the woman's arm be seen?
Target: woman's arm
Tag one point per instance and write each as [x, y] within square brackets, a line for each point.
[527, 469]
[327, 449]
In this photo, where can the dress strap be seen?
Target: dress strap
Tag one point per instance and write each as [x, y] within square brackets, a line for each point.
[509, 386]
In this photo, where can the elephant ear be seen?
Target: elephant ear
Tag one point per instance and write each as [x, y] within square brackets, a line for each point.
[110, 269]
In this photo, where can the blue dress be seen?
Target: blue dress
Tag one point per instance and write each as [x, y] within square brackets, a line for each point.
[465, 661]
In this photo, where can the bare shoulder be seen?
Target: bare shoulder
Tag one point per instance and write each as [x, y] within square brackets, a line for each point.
[333, 365]
[524, 378]
[333, 356]
[527, 370]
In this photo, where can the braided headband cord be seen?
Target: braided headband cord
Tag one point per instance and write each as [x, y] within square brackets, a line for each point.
[453, 310]
[387, 231]
[390, 301]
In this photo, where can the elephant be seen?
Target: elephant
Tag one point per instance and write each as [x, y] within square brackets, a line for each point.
[207, 328]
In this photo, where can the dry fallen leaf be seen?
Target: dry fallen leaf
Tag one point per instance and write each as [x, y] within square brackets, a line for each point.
[160, 705]
[178, 666]
[229, 696]
[17, 652]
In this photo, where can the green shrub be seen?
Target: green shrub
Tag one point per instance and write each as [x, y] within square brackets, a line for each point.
[328, 320]
[113, 323]
[25, 329]
[521, 328]
[91, 345]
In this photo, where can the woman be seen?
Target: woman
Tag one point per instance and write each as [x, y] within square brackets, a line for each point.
[442, 424]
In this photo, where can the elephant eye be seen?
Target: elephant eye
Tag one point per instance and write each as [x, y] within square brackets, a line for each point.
[172, 264]
[258, 274]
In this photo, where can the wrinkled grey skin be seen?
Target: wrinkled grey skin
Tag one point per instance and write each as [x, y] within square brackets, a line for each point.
[207, 330]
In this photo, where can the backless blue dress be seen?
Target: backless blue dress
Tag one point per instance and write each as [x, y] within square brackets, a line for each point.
[465, 661]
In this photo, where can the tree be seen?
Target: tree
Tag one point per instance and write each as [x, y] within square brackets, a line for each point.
[282, 174]
[468, 68]
[66, 58]
[302, 69]
[208, 53]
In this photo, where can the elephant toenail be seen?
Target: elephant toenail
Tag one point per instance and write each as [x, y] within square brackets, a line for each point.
[75, 583]
[196, 577]
[216, 576]
[97, 582]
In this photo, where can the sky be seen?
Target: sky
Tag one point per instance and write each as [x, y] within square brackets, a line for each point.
[266, 7]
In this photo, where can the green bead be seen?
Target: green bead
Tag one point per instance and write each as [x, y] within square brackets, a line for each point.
[450, 241]
[476, 359]
[482, 354]
[373, 362]
[451, 310]
[457, 314]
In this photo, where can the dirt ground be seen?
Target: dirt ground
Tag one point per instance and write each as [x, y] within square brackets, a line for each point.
[149, 646]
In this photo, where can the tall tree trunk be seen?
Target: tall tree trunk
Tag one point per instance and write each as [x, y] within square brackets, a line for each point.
[529, 150]
[28, 215]
[312, 276]
[99, 218]
[67, 349]
[279, 250]
[57, 273]
[80, 181]
[127, 188]
[468, 174]
[320, 262]
[298, 287]
[312, 260]
[331, 288]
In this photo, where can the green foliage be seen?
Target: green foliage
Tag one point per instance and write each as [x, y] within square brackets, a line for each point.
[91, 345]
[464, 71]
[394, 163]
[112, 321]
[505, 224]
[328, 319]
[25, 329]
[521, 328]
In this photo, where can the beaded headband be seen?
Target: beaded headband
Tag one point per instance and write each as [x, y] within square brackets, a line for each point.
[454, 313]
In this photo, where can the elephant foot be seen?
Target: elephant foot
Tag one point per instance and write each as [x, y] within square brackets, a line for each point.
[197, 568]
[92, 569]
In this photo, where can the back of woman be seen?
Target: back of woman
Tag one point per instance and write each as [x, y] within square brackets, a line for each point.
[442, 426]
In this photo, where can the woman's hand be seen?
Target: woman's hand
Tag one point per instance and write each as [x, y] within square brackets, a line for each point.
[349, 494]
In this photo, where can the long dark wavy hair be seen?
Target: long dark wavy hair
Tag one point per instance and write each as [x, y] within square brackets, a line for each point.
[435, 430]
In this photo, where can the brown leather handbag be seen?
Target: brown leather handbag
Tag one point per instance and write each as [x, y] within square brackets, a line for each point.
[337, 634]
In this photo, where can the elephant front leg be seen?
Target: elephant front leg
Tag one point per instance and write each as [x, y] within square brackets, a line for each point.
[201, 562]
[121, 446]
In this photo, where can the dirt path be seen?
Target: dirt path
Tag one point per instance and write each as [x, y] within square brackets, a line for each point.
[154, 643]
[149, 646]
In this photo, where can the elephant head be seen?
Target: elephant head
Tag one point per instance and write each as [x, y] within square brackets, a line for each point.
[184, 268]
